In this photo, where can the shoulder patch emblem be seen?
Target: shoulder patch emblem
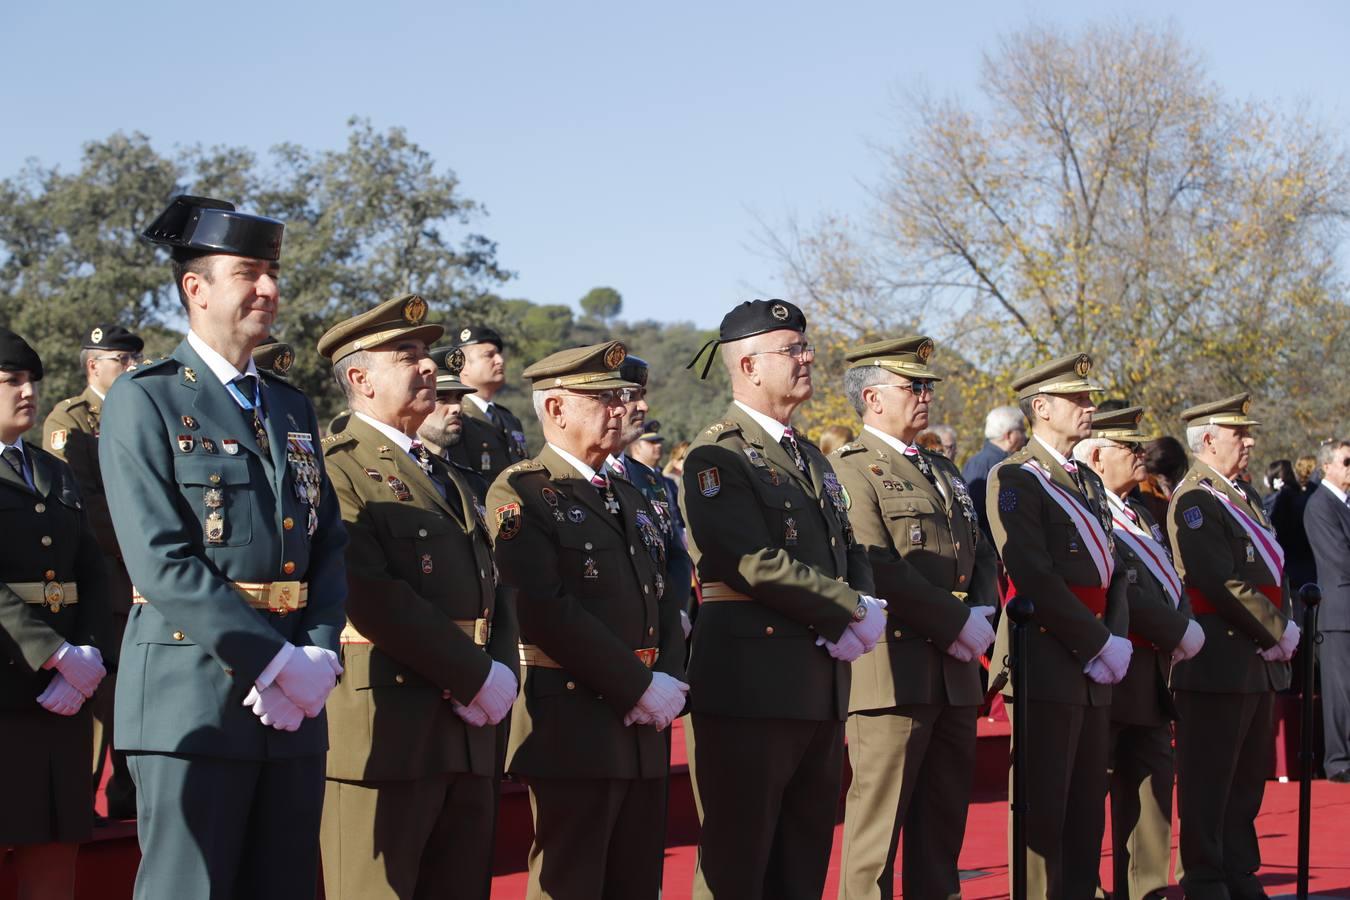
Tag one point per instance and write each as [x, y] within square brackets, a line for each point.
[709, 482]
[1007, 500]
[508, 521]
[59, 439]
[1193, 517]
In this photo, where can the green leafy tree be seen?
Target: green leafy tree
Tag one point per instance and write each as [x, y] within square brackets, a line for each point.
[602, 304]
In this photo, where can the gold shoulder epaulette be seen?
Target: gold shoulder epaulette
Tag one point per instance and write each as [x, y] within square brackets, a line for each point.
[853, 447]
[726, 426]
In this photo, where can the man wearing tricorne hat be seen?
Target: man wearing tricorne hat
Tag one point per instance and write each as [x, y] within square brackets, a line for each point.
[600, 639]
[1163, 633]
[786, 608]
[915, 699]
[1233, 568]
[71, 433]
[234, 541]
[275, 356]
[430, 642]
[493, 436]
[444, 428]
[1051, 522]
[53, 620]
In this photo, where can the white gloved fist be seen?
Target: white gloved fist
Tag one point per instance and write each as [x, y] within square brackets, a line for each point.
[498, 692]
[308, 677]
[1115, 655]
[81, 665]
[1191, 642]
[1289, 642]
[849, 648]
[274, 708]
[1098, 672]
[61, 697]
[660, 703]
[977, 634]
[873, 623]
[472, 715]
[960, 652]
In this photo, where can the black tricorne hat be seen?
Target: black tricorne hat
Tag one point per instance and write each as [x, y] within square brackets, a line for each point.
[747, 320]
[193, 226]
[17, 355]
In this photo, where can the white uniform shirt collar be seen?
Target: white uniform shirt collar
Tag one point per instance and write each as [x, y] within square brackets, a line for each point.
[888, 438]
[775, 428]
[1337, 492]
[1059, 457]
[479, 402]
[18, 443]
[585, 471]
[220, 367]
[100, 394]
[404, 442]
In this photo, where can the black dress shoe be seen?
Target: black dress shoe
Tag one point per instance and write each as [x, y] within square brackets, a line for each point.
[1341, 777]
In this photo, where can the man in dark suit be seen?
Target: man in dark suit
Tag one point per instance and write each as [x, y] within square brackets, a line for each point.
[1005, 432]
[1327, 520]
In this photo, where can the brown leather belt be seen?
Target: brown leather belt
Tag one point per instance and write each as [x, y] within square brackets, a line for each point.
[478, 629]
[52, 594]
[721, 592]
[530, 655]
[270, 596]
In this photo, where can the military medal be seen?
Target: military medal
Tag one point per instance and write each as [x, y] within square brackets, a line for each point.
[185, 443]
[399, 488]
[374, 474]
[208, 445]
[916, 535]
[1251, 552]
[231, 447]
[1073, 545]
[611, 502]
[485, 461]
[189, 423]
[518, 439]
[1132, 576]
[589, 570]
[214, 527]
[790, 531]
[426, 563]
[551, 498]
[875, 469]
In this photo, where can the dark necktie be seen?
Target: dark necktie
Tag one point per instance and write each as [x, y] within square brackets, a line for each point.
[422, 456]
[789, 443]
[492, 414]
[922, 464]
[14, 456]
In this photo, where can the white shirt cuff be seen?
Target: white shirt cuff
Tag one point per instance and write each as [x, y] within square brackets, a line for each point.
[274, 668]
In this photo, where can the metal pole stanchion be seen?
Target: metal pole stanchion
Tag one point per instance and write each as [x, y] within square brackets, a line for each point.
[1019, 611]
[1311, 595]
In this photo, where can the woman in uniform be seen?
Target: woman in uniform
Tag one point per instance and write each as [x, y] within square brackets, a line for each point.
[51, 609]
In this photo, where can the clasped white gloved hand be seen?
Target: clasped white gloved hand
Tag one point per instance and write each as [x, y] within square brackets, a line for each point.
[660, 703]
[873, 624]
[471, 715]
[1284, 650]
[976, 635]
[61, 697]
[1191, 642]
[495, 697]
[309, 676]
[1111, 662]
[274, 708]
[849, 648]
[81, 665]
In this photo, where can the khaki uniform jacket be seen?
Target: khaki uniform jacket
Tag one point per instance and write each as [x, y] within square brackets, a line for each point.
[590, 590]
[486, 447]
[416, 563]
[1043, 554]
[71, 434]
[1156, 628]
[765, 529]
[925, 547]
[1215, 557]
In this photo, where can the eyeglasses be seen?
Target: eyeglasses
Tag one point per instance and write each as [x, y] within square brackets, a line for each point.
[919, 387]
[611, 397]
[125, 359]
[796, 351]
[1133, 446]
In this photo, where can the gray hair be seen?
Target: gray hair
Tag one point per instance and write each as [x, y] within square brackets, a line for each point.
[1195, 435]
[946, 433]
[1327, 451]
[85, 355]
[860, 377]
[538, 401]
[359, 359]
[1082, 451]
[1003, 419]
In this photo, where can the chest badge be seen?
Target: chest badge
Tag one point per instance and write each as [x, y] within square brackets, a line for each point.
[589, 570]
[231, 447]
[916, 535]
[576, 515]
[790, 531]
[399, 488]
[185, 442]
[426, 563]
[876, 470]
[189, 423]
[1251, 552]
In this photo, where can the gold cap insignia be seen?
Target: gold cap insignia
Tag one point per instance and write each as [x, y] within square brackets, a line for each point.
[465, 334]
[779, 312]
[415, 310]
[1247, 406]
[1082, 365]
[284, 362]
[615, 356]
[454, 360]
[924, 350]
[96, 336]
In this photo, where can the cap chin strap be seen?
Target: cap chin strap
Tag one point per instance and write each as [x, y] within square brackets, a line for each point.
[712, 353]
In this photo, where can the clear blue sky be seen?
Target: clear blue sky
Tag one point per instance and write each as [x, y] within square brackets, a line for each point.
[630, 144]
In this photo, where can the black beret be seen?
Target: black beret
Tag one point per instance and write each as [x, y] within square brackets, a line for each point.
[749, 319]
[476, 334]
[107, 336]
[17, 356]
[652, 432]
[634, 369]
[193, 226]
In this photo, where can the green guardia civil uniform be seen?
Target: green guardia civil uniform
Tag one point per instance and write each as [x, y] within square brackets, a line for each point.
[1142, 711]
[1053, 534]
[411, 788]
[1228, 555]
[234, 541]
[913, 708]
[597, 617]
[71, 433]
[779, 568]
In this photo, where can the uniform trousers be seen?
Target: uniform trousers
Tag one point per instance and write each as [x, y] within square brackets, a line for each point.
[769, 789]
[1141, 809]
[409, 840]
[221, 829]
[913, 766]
[1225, 750]
[121, 793]
[1333, 658]
[597, 838]
[1066, 759]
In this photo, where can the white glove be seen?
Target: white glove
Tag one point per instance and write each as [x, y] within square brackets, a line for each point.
[660, 703]
[308, 677]
[1098, 672]
[82, 666]
[960, 652]
[470, 714]
[274, 708]
[873, 624]
[1284, 650]
[849, 648]
[1115, 656]
[976, 635]
[498, 692]
[60, 697]
[1191, 642]
[686, 624]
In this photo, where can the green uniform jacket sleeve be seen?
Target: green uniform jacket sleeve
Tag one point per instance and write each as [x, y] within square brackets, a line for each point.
[80, 452]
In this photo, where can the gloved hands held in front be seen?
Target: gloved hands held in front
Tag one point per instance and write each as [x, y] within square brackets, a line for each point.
[308, 677]
[1098, 672]
[849, 648]
[1191, 642]
[274, 708]
[1115, 656]
[873, 624]
[61, 697]
[472, 715]
[81, 665]
[976, 635]
[660, 703]
[495, 697]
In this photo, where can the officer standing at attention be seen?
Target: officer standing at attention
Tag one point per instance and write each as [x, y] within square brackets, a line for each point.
[493, 436]
[914, 702]
[1051, 522]
[1162, 632]
[430, 643]
[1234, 573]
[444, 428]
[785, 610]
[71, 433]
[53, 612]
[234, 542]
[601, 644]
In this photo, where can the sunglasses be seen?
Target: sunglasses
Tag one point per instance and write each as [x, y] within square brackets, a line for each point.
[918, 387]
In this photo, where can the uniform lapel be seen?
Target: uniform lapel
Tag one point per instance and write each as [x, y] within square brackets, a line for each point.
[1058, 475]
[578, 490]
[908, 469]
[42, 473]
[9, 476]
[94, 403]
[773, 451]
[215, 409]
[405, 469]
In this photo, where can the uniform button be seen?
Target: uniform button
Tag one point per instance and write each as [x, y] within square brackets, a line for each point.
[833, 542]
[486, 612]
[40, 508]
[1097, 615]
[1042, 629]
[961, 580]
[895, 633]
[398, 679]
[768, 629]
[957, 546]
[631, 551]
[651, 629]
[590, 546]
[421, 532]
[445, 695]
[822, 502]
[289, 567]
[178, 635]
[787, 504]
[1230, 632]
[49, 574]
[46, 540]
[645, 589]
[571, 685]
[482, 573]
[214, 478]
[288, 523]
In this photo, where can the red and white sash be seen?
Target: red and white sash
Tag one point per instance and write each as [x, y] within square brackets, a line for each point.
[1272, 554]
[1154, 555]
[1095, 539]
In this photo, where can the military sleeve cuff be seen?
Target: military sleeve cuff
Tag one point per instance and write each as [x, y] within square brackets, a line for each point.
[269, 674]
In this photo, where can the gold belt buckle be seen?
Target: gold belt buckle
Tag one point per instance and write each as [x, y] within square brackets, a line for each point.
[53, 594]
